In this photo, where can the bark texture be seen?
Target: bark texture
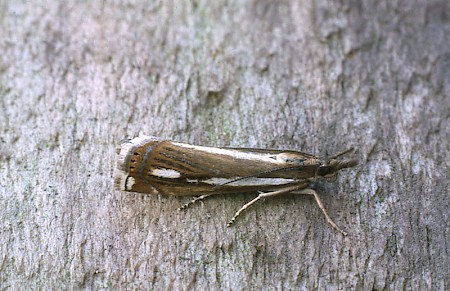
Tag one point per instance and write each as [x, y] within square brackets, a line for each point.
[318, 76]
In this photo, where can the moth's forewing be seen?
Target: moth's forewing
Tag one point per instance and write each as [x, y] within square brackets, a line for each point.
[149, 165]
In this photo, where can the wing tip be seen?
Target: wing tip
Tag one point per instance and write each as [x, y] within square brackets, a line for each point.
[124, 150]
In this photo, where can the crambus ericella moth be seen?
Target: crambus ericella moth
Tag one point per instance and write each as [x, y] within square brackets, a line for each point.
[147, 164]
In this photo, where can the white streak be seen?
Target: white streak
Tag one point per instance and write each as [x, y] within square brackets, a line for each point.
[267, 158]
[130, 183]
[248, 181]
[165, 173]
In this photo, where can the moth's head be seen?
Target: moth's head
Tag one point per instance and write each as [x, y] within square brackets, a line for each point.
[331, 166]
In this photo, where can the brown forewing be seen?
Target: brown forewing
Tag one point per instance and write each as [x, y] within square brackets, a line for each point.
[195, 166]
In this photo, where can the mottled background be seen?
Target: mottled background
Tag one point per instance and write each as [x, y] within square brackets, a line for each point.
[318, 76]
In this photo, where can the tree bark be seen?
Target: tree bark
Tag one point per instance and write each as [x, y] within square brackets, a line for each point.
[317, 76]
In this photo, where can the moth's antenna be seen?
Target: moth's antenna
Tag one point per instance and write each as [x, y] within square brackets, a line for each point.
[341, 153]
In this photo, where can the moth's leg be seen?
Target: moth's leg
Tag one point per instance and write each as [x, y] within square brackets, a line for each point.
[319, 202]
[194, 200]
[262, 195]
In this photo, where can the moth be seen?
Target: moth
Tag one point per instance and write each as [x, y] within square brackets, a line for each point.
[147, 164]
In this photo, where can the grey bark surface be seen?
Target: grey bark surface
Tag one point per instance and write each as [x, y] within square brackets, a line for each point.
[317, 76]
